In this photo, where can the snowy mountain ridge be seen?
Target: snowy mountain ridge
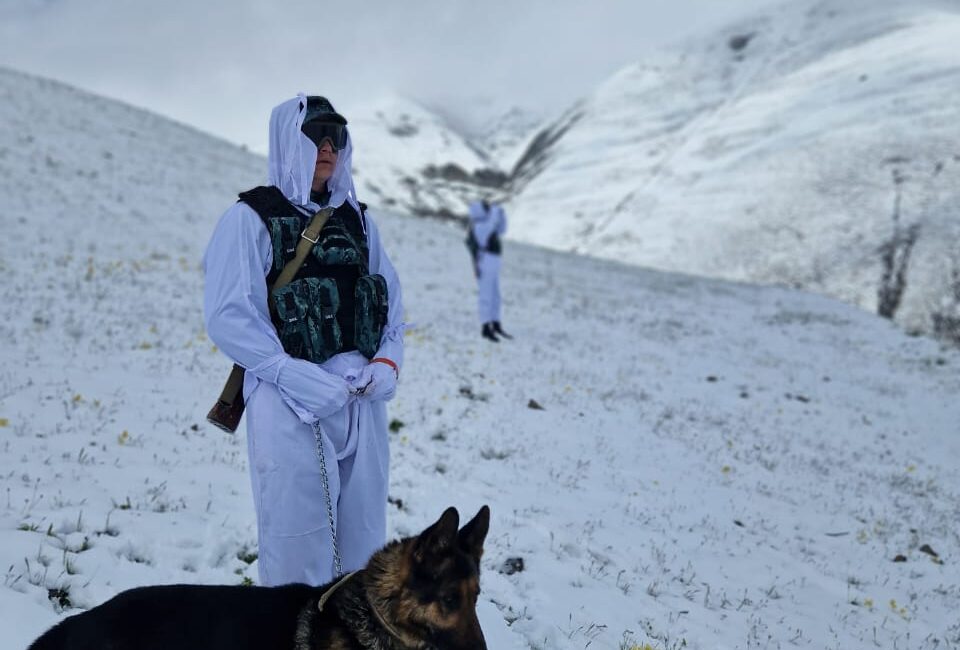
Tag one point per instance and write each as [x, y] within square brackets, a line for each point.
[812, 146]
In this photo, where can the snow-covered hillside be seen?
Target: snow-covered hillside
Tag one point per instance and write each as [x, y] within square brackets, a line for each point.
[768, 152]
[407, 158]
[679, 462]
[413, 161]
[507, 136]
[64, 150]
[410, 160]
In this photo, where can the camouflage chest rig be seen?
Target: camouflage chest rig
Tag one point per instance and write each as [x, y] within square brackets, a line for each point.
[333, 304]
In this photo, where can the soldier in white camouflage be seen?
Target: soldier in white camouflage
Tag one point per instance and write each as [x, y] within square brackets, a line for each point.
[322, 353]
[488, 223]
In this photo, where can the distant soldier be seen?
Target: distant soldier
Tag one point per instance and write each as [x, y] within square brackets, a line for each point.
[488, 223]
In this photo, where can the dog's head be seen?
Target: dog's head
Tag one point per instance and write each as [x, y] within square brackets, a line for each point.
[432, 594]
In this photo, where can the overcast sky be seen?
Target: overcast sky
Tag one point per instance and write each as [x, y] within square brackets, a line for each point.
[221, 65]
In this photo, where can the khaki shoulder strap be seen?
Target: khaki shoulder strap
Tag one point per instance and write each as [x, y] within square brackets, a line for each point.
[309, 237]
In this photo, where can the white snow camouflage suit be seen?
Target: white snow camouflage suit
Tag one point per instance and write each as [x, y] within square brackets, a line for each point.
[289, 399]
[484, 223]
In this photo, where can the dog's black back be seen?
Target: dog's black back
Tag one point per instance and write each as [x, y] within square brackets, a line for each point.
[187, 616]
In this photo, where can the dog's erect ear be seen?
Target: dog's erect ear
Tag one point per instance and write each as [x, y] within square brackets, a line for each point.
[471, 536]
[438, 538]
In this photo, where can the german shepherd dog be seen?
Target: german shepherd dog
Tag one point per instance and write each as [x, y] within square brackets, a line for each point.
[417, 592]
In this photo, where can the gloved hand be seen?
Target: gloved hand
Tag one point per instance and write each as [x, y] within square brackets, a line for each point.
[309, 390]
[374, 382]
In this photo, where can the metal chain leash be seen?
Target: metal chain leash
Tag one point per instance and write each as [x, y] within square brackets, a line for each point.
[326, 490]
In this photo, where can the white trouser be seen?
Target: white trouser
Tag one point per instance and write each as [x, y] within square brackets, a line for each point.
[488, 295]
[292, 522]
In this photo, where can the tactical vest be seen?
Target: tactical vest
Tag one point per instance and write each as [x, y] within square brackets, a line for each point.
[493, 244]
[333, 304]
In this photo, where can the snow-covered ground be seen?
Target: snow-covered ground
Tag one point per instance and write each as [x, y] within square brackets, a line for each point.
[715, 465]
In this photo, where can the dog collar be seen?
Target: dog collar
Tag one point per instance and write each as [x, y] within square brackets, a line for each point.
[329, 592]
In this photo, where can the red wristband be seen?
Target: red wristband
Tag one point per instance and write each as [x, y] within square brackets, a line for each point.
[390, 363]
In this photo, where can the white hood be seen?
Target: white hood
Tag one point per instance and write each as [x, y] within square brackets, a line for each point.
[293, 158]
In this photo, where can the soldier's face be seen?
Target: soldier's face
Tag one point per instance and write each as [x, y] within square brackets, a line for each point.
[326, 163]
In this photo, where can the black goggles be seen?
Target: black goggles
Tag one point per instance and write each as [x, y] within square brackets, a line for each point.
[319, 131]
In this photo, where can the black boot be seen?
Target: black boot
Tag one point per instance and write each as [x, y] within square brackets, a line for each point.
[487, 332]
[499, 330]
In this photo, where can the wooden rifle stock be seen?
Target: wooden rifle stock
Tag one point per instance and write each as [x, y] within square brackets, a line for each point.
[228, 410]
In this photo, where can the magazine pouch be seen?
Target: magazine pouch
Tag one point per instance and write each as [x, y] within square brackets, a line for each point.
[306, 318]
[371, 305]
